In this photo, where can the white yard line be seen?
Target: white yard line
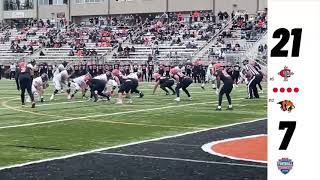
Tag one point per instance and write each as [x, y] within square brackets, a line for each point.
[183, 160]
[100, 115]
[124, 145]
[143, 124]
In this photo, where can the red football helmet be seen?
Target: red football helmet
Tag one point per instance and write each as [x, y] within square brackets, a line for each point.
[156, 76]
[174, 71]
[116, 72]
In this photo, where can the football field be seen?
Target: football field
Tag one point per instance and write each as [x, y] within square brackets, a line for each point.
[61, 127]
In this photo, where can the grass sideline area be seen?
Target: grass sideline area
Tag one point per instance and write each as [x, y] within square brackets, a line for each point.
[62, 127]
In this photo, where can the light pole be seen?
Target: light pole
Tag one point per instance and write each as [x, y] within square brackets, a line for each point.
[69, 10]
[37, 10]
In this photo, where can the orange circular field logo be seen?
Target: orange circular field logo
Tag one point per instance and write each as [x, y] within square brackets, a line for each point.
[249, 148]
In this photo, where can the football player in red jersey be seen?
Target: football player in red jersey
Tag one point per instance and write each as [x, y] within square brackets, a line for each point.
[183, 82]
[125, 86]
[222, 75]
[97, 87]
[25, 73]
[164, 83]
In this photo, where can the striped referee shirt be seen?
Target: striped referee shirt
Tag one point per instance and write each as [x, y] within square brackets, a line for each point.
[251, 69]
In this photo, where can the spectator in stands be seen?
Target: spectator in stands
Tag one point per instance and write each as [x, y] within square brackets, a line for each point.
[220, 15]
[31, 49]
[225, 15]
[189, 45]
[48, 22]
[24, 47]
[133, 49]
[127, 51]
[179, 40]
[120, 49]
[71, 52]
[94, 52]
[41, 53]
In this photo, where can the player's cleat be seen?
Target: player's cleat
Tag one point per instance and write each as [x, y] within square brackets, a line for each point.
[141, 94]
[190, 98]
[69, 97]
[229, 108]
[52, 97]
[130, 101]
[177, 99]
[42, 100]
[33, 105]
[218, 109]
[119, 102]
[202, 87]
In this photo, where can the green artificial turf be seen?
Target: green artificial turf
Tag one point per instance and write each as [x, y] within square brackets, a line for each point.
[81, 126]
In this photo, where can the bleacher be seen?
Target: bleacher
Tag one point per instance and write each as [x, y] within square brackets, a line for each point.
[166, 48]
[224, 47]
[158, 46]
[22, 38]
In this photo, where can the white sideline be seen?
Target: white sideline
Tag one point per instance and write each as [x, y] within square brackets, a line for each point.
[207, 148]
[184, 160]
[104, 115]
[124, 145]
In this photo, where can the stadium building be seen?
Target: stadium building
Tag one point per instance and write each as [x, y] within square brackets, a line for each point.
[80, 11]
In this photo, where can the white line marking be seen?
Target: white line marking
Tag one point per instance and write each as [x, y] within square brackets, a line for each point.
[207, 148]
[183, 160]
[142, 124]
[68, 102]
[104, 115]
[124, 145]
[177, 144]
[11, 97]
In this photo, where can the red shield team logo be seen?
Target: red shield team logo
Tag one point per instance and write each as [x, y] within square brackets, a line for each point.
[285, 73]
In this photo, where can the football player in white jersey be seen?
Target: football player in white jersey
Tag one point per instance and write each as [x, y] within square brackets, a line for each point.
[60, 80]
[133, 75]
[80, 83]
[39, 84]
[210, 77]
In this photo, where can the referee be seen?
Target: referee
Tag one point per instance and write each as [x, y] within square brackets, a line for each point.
[255, 79]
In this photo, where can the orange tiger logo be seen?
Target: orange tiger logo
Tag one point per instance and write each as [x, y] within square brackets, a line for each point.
[286, 105]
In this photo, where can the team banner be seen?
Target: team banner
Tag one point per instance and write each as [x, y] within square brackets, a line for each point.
[293, 111]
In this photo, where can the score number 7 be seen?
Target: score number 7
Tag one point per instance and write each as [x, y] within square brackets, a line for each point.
[290, 126]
